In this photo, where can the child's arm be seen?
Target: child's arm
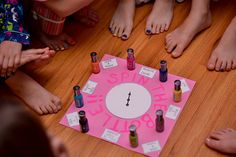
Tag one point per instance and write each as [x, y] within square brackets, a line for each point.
[13, 36]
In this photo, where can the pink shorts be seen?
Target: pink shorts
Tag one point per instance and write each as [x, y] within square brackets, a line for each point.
[51, 23]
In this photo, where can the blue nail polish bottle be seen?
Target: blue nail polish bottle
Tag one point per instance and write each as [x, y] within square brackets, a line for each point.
[78, 98]
[163, 71]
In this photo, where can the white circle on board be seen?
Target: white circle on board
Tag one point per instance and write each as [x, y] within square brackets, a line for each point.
[138, 104]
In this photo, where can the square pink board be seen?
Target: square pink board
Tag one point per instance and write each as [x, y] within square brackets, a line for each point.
[105, 97]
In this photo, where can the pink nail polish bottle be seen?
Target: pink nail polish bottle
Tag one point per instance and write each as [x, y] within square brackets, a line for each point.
[130, 59]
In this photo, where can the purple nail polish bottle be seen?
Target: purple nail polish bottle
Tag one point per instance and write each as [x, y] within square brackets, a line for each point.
[163, 71]
[83, 121]
[159, 121]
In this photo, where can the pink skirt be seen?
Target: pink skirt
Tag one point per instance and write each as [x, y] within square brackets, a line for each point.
[51, 23]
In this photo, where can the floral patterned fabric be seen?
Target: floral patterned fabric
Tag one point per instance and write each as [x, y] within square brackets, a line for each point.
[11, 22]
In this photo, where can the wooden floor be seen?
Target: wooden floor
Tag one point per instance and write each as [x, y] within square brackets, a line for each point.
[212, 104]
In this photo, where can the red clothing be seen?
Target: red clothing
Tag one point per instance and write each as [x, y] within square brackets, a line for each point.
[51, 23]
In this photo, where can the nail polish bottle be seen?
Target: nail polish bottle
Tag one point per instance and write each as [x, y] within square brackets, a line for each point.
[133, 137]
[78, 98]
[163, 71]
[95, 63]
[83, 121]
[159, 121]
[130, 59]
[177, 91]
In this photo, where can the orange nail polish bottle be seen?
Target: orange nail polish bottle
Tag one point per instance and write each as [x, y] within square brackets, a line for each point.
[177, 91]
[95, 63]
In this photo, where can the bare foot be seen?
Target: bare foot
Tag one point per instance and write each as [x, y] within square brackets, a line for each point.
[224, 56]
[223, 141]
[181, 37]
[58, 42]
[122, 21]
[86, 16]
[33, 94]
[160, 18]
[32, 55]
[43, 60]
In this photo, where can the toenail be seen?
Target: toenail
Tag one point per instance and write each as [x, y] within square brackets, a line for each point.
[62, 48]
[148, 32]
[115, 34]
[124, 37]
[66, 45]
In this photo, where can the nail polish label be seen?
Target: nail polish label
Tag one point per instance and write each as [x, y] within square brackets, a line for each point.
[148, 72]
[90, 87]
[184, 86]
[151, 147]
[73, 119]
[110, 135]
[109, 63]
[173, 112]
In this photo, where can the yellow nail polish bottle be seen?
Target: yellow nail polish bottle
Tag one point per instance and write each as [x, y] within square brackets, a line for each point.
[177, 94]
[133, 137]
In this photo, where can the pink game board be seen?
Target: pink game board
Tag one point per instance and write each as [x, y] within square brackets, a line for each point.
[105, 97]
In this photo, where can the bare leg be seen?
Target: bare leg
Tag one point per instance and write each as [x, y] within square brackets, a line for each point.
[224, 56]
[198, 19]
[223, 141]
[33, 94]
[121, 24]
[86, 16]
[63, 8]
[161, 16]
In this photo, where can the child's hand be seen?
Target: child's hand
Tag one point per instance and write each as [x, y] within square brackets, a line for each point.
[10, 53]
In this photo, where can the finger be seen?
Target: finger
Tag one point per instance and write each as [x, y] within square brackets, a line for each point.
[4, 66]
[1, 62]
[16, 62]
[10, 66]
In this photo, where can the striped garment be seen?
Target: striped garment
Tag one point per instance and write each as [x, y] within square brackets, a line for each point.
[51, 23]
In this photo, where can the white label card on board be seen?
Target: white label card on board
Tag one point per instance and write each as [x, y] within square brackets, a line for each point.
[151, 147]
[173, 112]
[90, 87]
[148, 72]
[73, 119]
[109, 63]
[110, 136]
[184, 86]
